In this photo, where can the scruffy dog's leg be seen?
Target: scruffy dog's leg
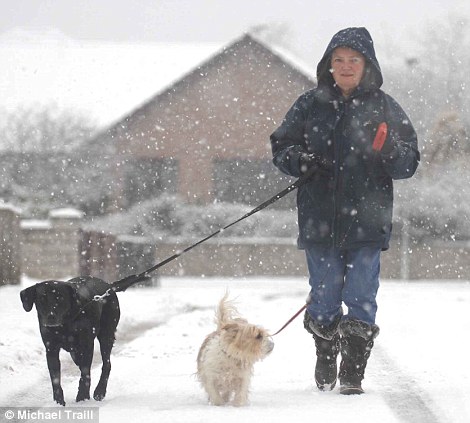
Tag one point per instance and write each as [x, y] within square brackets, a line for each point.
[241, 391]
[212, 390]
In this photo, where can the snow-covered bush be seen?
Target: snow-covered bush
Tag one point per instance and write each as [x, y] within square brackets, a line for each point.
[437, 204]
[167, 215]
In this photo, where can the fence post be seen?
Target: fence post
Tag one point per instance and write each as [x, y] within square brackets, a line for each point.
[10, 254]
[405, 250]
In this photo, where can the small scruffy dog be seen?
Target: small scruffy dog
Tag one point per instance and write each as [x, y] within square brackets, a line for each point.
[226, 357]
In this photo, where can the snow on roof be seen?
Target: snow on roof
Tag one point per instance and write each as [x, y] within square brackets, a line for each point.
[290, 58]
[35, 224]
[66, 213]
[104, 79]
[10, 207]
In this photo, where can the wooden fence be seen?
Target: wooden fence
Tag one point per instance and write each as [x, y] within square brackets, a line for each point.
[58, 248]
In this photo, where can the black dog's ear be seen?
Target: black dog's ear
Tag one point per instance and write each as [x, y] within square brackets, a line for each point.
[28, 297]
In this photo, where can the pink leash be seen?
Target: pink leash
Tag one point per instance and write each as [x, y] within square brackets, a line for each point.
[291, 320]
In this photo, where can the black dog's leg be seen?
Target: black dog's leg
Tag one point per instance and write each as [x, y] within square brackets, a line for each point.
[105, 346]
[109, 321]
[53, 363]
[83, 361]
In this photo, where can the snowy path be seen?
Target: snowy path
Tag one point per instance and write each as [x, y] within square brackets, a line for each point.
[402, 394]
[410, 377]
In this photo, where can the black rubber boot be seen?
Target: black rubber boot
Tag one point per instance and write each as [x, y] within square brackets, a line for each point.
[327, 349]
[357, 340]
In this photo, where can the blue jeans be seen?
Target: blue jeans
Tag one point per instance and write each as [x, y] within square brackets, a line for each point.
[337, 276]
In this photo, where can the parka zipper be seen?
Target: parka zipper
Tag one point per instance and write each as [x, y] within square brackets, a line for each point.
[338, 148]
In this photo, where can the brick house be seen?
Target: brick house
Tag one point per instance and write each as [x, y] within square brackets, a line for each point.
[207, 135]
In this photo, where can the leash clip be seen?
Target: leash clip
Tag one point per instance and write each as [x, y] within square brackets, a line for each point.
[102, 297]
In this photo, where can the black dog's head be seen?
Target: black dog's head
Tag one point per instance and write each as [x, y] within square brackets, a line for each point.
[54, 301]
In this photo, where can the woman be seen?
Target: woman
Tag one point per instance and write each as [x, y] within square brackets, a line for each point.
[354, 139]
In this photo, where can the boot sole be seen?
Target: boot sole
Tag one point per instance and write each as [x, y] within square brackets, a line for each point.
[351, 390]
[326, 386]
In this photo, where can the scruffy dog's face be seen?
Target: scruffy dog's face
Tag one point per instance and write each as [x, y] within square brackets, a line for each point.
[245, 341]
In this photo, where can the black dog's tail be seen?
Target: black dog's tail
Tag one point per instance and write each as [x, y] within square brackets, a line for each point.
[122, 284]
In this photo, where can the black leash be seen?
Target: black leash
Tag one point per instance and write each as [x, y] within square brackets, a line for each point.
[123, 284]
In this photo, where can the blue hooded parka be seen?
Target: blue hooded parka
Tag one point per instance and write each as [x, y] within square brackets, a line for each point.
[351, 205]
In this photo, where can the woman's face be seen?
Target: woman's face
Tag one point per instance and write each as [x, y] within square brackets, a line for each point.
[347, 67]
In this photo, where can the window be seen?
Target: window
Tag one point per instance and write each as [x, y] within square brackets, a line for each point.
[249, 181]
[147, 178]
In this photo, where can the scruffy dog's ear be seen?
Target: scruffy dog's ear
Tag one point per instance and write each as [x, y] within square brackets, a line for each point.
[230, 331]
[28, 297]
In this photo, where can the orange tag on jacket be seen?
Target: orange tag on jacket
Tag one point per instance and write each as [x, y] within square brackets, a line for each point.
[380, 137]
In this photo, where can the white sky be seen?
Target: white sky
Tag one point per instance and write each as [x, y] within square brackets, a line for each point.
[311, 22]
[133, 61]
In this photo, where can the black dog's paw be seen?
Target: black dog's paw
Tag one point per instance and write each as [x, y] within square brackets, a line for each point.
[83, 389]
[99, 396]
[99, 393]
[82, 396]
[59, 397]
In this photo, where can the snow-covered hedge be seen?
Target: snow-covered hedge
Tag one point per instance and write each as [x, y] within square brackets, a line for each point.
[435, 206]
[437, 201]
[167, 215]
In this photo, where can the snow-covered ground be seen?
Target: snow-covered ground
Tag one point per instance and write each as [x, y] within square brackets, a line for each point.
[418, 370]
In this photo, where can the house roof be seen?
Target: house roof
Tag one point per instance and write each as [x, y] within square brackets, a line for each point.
[293, 64]
[107, 80]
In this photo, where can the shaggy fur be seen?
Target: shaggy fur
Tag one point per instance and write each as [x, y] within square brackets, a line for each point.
[227, 356]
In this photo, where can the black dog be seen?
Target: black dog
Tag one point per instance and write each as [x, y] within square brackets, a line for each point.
[70, 319]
